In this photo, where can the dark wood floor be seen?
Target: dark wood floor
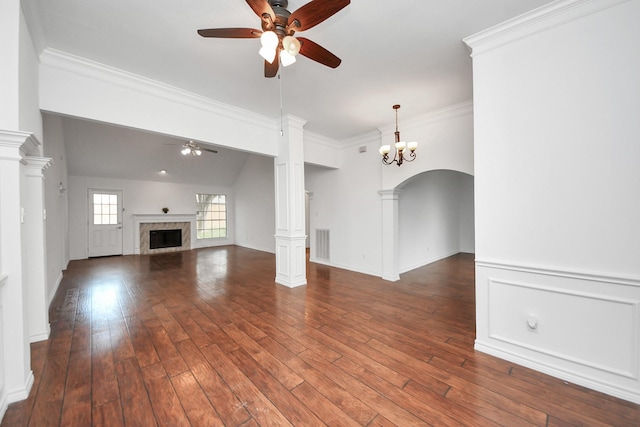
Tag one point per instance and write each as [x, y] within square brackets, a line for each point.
[205, 337]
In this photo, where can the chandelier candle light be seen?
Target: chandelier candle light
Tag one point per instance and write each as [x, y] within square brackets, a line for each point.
[399, 155]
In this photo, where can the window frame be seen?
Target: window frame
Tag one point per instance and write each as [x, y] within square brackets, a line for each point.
[212, 222]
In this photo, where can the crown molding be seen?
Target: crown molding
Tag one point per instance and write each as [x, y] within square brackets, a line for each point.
[373, 136]
[77, 65]
[24, 142]
[316, 138]
[447, 113]
[535, 21]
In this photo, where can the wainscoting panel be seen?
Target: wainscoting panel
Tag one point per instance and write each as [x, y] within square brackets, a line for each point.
[577, 326]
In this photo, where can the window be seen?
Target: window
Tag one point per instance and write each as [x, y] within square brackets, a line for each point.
[211, 217]
[105, 209]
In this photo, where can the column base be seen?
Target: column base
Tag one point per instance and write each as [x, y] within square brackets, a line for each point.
[291, 262]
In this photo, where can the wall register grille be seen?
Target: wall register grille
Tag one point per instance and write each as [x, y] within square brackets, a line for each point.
[322, 244]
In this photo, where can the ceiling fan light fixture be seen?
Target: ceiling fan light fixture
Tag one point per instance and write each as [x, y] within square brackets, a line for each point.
[268, 53]
[191, 148]
[269, 39]
[286, 58]
[291, 45]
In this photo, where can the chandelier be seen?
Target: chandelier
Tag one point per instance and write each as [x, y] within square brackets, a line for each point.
[400, 155]
[191, 148]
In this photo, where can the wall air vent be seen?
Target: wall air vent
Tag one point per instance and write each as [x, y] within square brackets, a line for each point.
[322, 244]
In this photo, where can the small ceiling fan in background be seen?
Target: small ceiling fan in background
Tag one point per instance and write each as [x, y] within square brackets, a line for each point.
[278, 27]
[194, 149]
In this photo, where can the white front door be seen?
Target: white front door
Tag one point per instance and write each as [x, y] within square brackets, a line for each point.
[105, 222]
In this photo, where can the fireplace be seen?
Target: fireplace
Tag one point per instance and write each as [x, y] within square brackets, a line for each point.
[148, 242]
[159, 239]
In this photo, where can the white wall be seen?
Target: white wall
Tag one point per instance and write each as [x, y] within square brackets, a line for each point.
[77, 87]
[55, 203]
[347, 202]
[29, 113]
[139, 197]
[436, 218]
[556, 97]
[255, 204]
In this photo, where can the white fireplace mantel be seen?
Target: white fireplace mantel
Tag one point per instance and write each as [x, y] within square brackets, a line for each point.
[156, 218]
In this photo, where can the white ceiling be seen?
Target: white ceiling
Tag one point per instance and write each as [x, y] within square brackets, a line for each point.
[407, 52]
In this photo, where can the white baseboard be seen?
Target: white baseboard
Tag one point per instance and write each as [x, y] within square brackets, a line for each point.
[10, 397]
[428, 261]
[615, 391]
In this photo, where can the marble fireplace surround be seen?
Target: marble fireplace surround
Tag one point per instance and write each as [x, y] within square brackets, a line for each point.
[143, 223]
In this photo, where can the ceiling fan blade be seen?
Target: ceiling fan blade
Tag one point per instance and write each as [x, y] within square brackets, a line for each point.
[314, 12]
[209, 150]
[270, 70]
[316, 52]
[231, 33]
[261, 7]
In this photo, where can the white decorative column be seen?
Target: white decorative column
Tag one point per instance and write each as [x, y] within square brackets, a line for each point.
[35, 245]
[14, 335]
[389, 229]
[290, 235]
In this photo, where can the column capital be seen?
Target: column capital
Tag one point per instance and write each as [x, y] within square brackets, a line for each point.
[15, 144]
[392, 194]
[36, 165]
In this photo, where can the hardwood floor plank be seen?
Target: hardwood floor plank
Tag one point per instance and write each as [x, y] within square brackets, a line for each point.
[108, 415]
[261, 408]
[142, 344]
[432, 408]
[170, 324]
[225, 402]
[76, 407]
[265, 359]
[274, 390]
[104, 382]
[48, 404]
[369, 396]
[206, 338]
[340, 397]
[195, 402]
[322, 407]
[136, 407]
[164, 400]
[167, 351]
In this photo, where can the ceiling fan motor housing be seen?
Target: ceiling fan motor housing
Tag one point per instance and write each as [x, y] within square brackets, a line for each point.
[279, 25]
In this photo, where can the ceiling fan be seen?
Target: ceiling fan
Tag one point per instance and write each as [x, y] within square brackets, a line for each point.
[278, 27]
[194, 149]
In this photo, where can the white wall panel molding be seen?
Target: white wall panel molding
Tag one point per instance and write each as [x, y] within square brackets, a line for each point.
[95, 70]
[581, 327]
[535, 21]
[591, 324]
[553, 271]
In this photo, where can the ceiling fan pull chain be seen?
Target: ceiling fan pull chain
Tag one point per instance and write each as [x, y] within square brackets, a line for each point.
[281, 125]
